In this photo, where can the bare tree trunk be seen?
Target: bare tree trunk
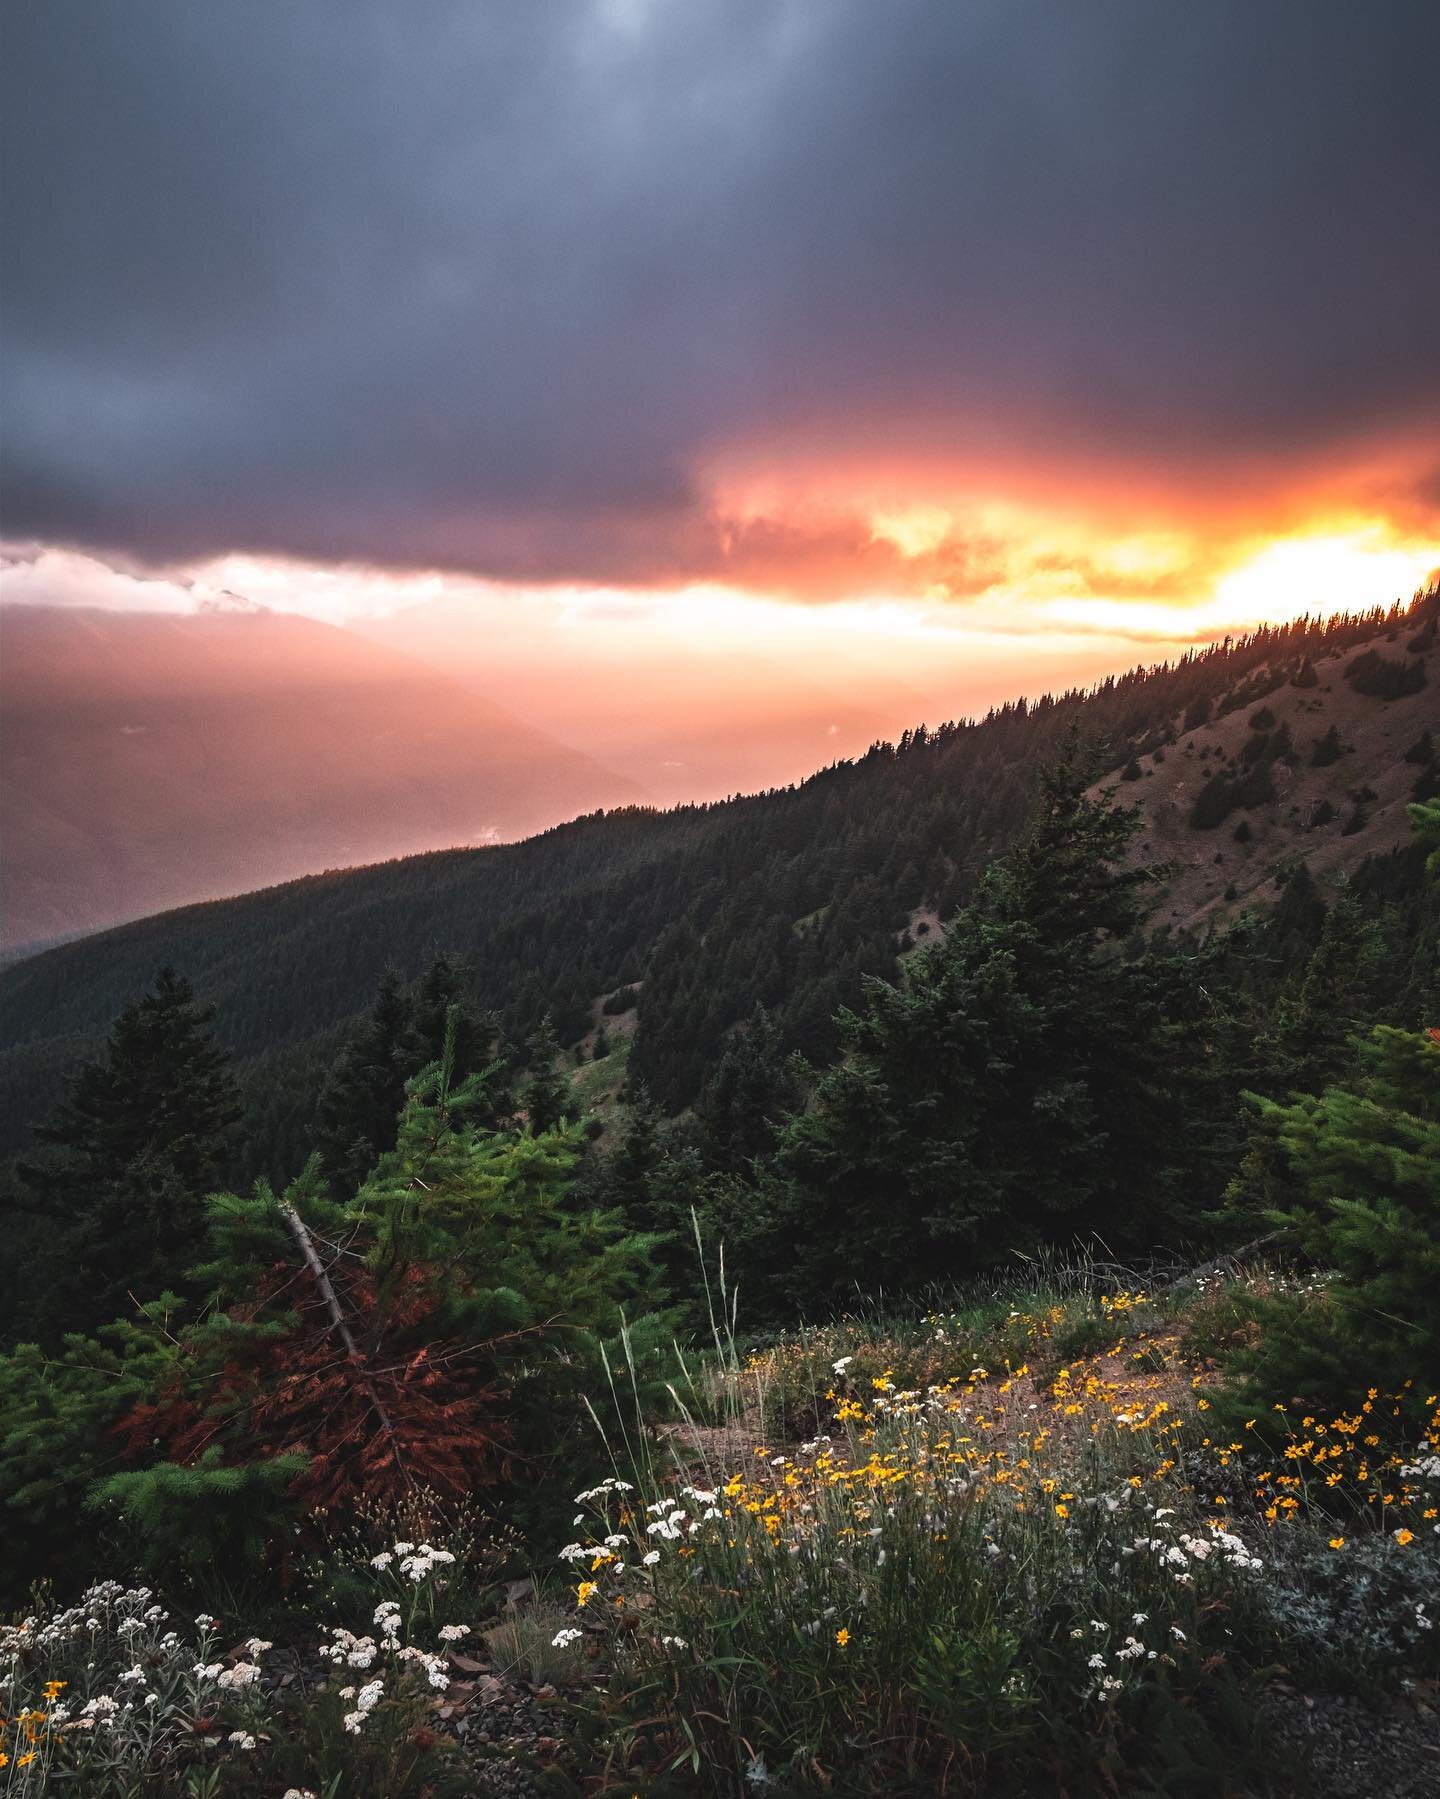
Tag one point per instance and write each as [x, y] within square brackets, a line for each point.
[338, 1322]
[1219, 1264]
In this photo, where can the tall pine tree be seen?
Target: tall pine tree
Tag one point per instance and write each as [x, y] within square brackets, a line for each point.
[129, 1156]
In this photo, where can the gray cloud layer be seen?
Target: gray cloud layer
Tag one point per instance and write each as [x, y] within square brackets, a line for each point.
[482, 285]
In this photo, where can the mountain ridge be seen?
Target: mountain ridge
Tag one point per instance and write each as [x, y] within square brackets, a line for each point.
[154, 759]
[786, 899]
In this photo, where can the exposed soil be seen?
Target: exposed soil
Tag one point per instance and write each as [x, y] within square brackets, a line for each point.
[1375, 733]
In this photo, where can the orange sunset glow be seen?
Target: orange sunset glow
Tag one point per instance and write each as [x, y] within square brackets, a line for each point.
[698, 398]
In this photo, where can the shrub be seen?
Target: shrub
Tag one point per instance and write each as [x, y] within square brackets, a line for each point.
[1385, 677]
[1213, 804]
[1357, 1191]
[1328, 749]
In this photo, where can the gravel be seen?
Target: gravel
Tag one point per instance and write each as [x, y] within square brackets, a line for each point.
[1339, 1747]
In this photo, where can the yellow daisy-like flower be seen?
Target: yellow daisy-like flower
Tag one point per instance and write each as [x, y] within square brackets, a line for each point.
[1404, 1537]
[583, 1592]
[1062, 1511]
[1337, 1542]
[842, 1636]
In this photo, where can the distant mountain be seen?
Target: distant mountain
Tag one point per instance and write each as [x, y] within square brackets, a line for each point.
[152, 759]
[689, 721]
[790, 898]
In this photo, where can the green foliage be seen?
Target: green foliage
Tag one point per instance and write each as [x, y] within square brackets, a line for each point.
[59, 1411]
[403, 1033]
[454, 1307]
[754, 1086]
[1425, 822]
[1356, 1177]
[1018, 1088]
[547, 1100]
[702, 902]
[131, 1150]
[186, 1518]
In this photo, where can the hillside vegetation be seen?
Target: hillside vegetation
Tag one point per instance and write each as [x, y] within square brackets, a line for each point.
[785, 900]
[1033, 1386]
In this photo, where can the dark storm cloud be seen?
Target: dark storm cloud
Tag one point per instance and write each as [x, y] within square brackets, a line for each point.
[483, 285]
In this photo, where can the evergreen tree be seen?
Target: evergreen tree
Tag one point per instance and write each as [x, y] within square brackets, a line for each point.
[1025, 1083]
[755, 1085]
[548, 1098]
[1328, 749]
[651, 1179]
[1425, 823]
[1328, 1000]
[135, 1144]
[358, 1106]
[429, 1335]
[402, 1034]
[1298, 919]
[1356, 1180]
[441, 1007]
[1353, 1180]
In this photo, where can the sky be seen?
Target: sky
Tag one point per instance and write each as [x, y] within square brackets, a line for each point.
[1016, 336]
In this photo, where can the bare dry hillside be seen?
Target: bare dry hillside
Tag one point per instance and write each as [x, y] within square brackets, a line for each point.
[1329, 805]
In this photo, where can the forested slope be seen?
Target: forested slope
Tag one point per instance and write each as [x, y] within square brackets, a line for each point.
[784, 899]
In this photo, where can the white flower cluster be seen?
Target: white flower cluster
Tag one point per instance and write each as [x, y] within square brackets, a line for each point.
[132, 1687]
[1188, 1553]
[434, 1665]
[1132, 1650]
[605, 1488]
[353, 1651]
[366, 1700]
[668, 1527]
[416, 1561]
